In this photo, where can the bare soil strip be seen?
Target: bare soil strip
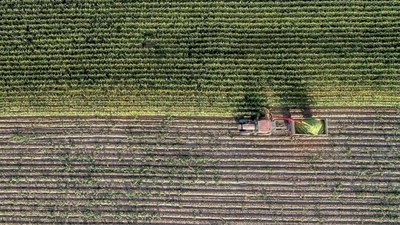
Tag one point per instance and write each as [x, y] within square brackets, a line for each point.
[199, 170]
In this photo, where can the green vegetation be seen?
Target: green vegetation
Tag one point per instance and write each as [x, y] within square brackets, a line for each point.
[121, 57]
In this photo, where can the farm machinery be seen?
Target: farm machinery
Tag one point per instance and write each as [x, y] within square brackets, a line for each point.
[265, 124]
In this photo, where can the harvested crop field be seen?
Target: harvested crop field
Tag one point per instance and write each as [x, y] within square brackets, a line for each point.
[198, 170]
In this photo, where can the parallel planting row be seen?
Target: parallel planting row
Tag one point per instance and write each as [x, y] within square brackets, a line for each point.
[195, 57]
[198, 170]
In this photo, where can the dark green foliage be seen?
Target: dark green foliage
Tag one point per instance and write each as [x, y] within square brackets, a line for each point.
[122, 57]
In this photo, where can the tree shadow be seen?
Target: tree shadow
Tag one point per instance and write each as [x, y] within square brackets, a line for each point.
[290, 89]
[293, 93]
[252, 101]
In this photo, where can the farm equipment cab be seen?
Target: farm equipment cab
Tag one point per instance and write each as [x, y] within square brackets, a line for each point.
[264, 124]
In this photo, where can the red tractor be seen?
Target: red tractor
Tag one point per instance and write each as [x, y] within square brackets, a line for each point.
[265, 124]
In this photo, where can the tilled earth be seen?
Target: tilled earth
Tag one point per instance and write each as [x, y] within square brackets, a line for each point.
[199, 170]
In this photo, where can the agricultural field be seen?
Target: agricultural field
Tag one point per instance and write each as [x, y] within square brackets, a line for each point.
[125, 57]
[199, 170]
[123, 111]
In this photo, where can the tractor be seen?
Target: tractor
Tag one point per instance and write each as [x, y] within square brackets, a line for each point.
[264, 124]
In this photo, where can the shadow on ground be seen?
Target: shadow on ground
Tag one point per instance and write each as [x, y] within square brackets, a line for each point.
[292, 91]
[290, 88]
[252, 100]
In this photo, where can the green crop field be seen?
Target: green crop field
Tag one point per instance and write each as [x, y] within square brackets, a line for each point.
[125, 57]
[130, 112]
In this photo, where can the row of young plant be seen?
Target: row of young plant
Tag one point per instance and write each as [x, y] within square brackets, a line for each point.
[202, 3]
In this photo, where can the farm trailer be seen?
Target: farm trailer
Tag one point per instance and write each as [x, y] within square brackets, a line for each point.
[282, 126]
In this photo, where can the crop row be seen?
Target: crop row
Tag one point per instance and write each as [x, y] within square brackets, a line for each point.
[240, 84]
[211, 56]
[222, 20]
[203, 3]
[336, 34]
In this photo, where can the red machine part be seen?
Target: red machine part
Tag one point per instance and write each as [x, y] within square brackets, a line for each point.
[286, 118]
